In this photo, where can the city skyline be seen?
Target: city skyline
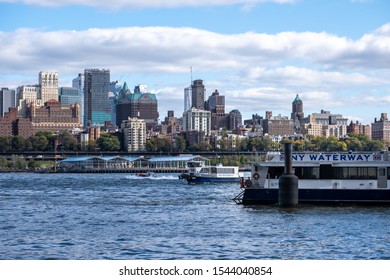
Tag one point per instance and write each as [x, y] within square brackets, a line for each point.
[258, 54]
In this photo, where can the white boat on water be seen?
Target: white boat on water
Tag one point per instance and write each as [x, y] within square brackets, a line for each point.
[212, 174]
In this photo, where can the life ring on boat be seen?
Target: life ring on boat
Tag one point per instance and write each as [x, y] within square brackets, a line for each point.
[256, 176]
[248, 183]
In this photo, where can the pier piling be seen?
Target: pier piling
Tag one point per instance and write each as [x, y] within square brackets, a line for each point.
[288, 182]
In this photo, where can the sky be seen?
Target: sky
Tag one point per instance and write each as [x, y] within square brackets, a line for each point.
[335, 54]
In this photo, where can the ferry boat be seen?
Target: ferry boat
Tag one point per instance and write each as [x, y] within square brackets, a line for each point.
[212, 174]
[323, 178]
[194, 167]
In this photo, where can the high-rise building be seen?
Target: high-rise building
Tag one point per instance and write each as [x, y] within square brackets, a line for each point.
[197, 120]
[216, 103]
[187, 98]
[25, 95]
[297, 109]
[68, 96]
[79, 84]
[7, 100]
[49, 86]
[97, 108]
[139, 104]
[380, 129]
[197, 94]
[134, 132]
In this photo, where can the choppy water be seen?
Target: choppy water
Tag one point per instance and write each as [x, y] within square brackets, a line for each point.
[120, 216]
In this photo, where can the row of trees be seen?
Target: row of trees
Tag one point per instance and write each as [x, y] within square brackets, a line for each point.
[65, 141]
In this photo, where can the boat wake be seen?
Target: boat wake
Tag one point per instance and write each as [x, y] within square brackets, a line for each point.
[153, 177]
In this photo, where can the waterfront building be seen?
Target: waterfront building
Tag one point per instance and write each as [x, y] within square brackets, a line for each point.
[197, 94]
[194, 137]
[8, 123]
[139, 104]
[93, 133]
[47, 89]
[27, 94]
[326, 118]
[7, 100]
[380, 129]
[97, 109]
[171, 126]
[13, 125]
[278, 126]
[334, 130]
[197, 120]
[358, 128]
[134, 134]
[52, 117]
[313, 128]
[48, 82]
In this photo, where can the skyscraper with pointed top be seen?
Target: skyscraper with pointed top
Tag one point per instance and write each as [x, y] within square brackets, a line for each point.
[297, 109]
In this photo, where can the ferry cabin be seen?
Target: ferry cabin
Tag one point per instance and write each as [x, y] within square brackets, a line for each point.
[332, 171]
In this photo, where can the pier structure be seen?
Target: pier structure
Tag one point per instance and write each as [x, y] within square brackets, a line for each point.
[96, 164]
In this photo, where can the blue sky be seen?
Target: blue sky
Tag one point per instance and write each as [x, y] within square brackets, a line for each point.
[335, 54]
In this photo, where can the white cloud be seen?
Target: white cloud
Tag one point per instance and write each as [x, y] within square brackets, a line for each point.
[267, 68]
[117, 4]
[292, 76]
[175, 49]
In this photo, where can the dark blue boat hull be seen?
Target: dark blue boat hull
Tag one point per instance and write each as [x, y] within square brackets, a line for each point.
[202, 180]
[320, 196]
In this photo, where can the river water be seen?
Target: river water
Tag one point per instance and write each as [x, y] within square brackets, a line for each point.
[121, 216]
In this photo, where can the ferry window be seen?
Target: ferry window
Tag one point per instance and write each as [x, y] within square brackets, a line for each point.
[205, 170]
[382, 172]
[371, 171]
[355, 173]
[341, 173]
[326, 171]
[307, 172]
[275, 172]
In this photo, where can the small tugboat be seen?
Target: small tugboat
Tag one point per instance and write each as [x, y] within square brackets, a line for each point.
[213, 174]
[323, 178]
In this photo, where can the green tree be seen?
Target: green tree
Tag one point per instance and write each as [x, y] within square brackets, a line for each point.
[159, 144]
[67, 141]
[375, 145]
[3, 163]
[18, 143]
[39, 142]
[353, 144]
[6, 143]
[109, 143]
[92, 146]
[180, 144]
